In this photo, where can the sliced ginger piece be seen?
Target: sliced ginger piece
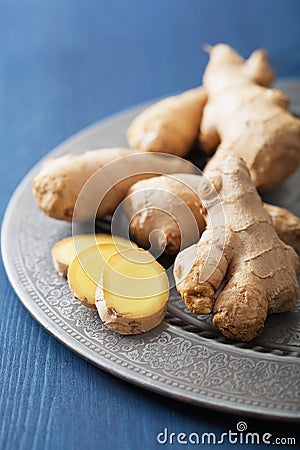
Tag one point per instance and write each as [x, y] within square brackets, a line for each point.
[133, 294]
[64, 251]
[85, 271]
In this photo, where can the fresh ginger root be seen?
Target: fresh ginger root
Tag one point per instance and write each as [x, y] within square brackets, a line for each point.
[286, 224]
[249, 120]
[259, 270]
[170, 125]
[58, 184]
[167, 210]
[64, 251]
[80, 187]
[133, 292]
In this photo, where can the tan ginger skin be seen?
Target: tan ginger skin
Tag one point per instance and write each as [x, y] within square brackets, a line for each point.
[249, 120]
[154, 207]
[60, 180]
[57, 186]
[259, 270]
[166, 204]
[286, 224]
[243, 118]
[170, 125]
[125, 324]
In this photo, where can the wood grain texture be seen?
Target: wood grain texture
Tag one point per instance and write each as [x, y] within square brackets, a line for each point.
[64, 65]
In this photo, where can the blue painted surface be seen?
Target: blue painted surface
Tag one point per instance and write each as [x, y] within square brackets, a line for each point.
[63, 65]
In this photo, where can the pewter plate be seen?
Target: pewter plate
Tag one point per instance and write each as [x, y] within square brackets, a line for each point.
[185, 357]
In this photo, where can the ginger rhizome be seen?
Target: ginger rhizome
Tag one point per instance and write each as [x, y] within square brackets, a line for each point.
[240, 119]
[166, 211]
[258, 269]
[81, 187]
[170, 125]
[57, 185]
[250, 120]
[286, 224]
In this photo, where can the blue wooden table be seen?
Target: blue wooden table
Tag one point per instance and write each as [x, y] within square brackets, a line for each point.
[63, 65]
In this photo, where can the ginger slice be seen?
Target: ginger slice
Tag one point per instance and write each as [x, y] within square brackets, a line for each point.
[133, 294]
[86, 269]
[64, 251]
